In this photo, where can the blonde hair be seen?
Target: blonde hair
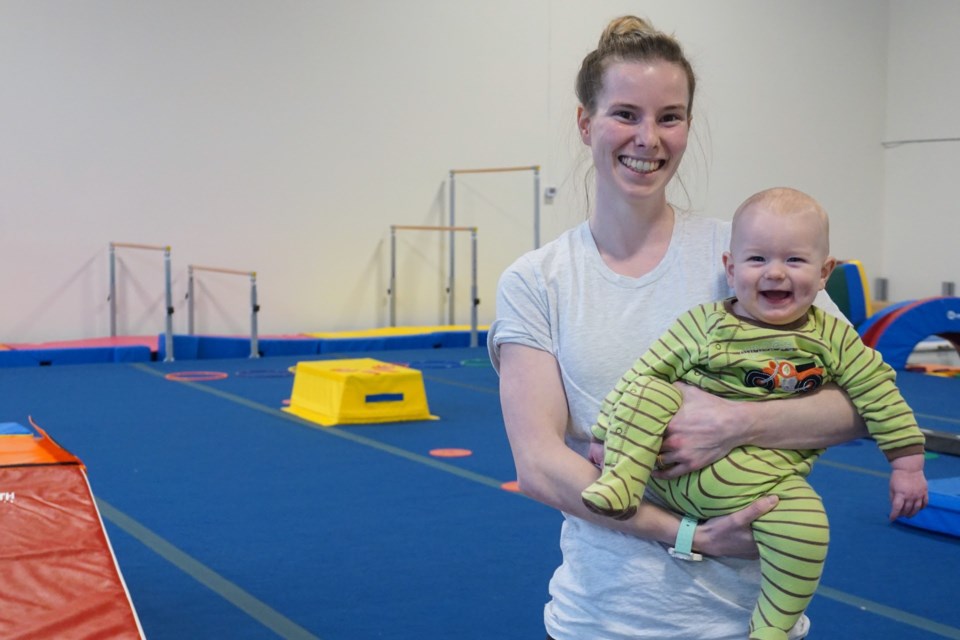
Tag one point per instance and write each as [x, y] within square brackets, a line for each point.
[629, 39]
[785, 201]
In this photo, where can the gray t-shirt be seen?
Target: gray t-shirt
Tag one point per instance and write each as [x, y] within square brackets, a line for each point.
[564, 300]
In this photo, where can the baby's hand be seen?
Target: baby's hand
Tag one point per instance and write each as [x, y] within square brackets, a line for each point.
[908, 487]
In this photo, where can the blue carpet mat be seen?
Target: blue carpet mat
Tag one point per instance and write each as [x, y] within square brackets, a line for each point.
[231, 518]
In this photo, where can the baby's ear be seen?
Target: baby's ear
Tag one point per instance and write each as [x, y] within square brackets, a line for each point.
[728, 268]
[828, 265]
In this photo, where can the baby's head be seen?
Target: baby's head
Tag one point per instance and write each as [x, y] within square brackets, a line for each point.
[779, 255]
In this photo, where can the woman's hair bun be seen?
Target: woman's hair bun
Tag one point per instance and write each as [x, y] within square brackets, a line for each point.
[625, 26]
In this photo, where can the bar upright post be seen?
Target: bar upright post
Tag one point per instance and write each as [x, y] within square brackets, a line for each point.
[392, 288]
[113, 291]
[168, 357]
[473, 289]
[451, 279]
[190, 311]
[254, 310]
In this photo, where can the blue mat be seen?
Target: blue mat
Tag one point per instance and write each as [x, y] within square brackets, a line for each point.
[232, 518]
[943, 512]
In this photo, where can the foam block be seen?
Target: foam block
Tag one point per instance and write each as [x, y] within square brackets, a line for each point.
[847, 286]
[81, 355]
[357, 391]
[899, 329]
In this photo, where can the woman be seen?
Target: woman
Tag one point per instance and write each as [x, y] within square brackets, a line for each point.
[571, 317]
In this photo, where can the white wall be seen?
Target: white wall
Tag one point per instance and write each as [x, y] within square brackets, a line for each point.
[921, 217]
[286, 136]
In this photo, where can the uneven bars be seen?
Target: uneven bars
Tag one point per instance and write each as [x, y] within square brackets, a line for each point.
[134, 245]
[237, 272]
[392, 290]
[534, 167]
[168, 357]
[254, 307]
[451, 277]
[415, 227]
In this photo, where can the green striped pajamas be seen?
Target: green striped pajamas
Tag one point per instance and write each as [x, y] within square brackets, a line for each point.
[711, 348]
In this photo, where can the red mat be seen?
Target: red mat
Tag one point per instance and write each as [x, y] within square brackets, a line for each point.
[117, 341]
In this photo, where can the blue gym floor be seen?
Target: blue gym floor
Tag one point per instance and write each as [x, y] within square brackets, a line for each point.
[233, 519]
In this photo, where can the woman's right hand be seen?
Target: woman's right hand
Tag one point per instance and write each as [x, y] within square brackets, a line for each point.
[731, 535]
[705, 429]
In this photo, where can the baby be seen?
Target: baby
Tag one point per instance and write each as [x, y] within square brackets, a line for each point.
[768, 341]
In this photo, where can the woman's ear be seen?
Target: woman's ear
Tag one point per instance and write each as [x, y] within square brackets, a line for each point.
[583, 125]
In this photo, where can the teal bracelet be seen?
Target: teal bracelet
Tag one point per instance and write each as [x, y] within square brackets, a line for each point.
[682, 549]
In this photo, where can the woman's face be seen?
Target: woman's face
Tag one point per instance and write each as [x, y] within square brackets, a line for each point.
[639, 130]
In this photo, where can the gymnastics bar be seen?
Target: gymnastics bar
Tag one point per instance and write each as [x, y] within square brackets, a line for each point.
[168, 337]
[453, 206]
[392, 291]
[254, 307]
[941, 441]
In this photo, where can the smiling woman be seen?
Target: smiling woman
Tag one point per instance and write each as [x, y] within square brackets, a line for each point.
[572, 315]
[639, 128]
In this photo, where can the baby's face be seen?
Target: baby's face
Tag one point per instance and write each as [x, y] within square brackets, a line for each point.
[777, 263]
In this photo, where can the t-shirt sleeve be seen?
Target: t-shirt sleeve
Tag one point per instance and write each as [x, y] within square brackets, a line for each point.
[523, 314]
[825, 302]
